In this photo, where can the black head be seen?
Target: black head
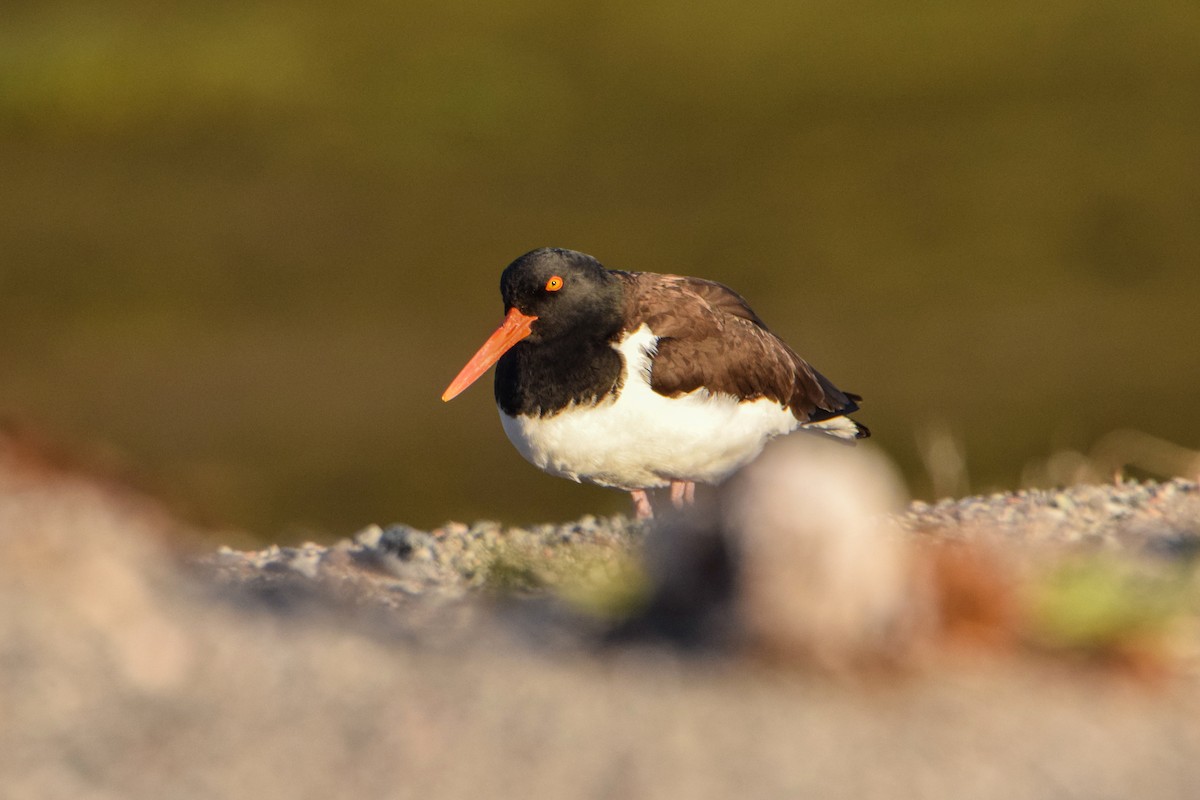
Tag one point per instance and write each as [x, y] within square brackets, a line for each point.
[561, 308]
[566, 290]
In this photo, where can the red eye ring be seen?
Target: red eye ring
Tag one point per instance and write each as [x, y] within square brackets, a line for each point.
[554, 284]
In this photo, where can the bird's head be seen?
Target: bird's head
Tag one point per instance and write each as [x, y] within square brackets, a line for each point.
[548, 294]
[563, 290]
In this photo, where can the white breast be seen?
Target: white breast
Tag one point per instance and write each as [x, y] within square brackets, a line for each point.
[644, 440]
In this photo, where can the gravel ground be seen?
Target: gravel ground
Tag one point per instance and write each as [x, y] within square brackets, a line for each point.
[396, 564]
[399, 563]
[1146, 518]
[404, 663]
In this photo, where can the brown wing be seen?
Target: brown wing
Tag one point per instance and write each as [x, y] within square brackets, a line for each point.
[709, 336]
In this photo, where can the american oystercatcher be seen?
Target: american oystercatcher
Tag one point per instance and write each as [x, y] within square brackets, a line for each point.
[640, 381]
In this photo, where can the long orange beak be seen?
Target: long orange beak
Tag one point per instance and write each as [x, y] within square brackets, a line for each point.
[514, 329]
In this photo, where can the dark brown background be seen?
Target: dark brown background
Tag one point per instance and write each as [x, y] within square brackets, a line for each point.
[244, 246]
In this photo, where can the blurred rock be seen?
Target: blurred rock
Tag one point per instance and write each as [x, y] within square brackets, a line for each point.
[823, 572]
[797, 558]
[84, 561]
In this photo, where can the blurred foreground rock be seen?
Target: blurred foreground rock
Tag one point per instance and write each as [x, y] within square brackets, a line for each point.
[798, 559]
[378, 668]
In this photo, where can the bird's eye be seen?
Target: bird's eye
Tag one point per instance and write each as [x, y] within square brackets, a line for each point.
[554, 284]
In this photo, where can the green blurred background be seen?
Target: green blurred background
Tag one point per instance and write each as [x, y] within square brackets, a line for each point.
[245, 245]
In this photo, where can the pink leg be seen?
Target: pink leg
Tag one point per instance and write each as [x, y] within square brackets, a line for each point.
[641, 504]
[683, 493]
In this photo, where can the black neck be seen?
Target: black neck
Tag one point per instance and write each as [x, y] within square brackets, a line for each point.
[542, 378]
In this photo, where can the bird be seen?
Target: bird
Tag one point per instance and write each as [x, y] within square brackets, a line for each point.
[641, 381]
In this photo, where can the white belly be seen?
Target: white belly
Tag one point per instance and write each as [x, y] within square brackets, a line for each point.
[643, 440]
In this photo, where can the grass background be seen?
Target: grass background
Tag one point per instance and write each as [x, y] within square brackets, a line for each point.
[244, 246]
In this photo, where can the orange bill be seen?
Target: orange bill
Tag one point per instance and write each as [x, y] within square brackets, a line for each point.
[514, 329]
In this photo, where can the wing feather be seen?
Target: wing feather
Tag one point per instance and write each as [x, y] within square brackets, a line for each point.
[709, 336]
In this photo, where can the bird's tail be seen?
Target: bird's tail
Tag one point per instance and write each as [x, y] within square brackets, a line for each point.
[839, 427]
